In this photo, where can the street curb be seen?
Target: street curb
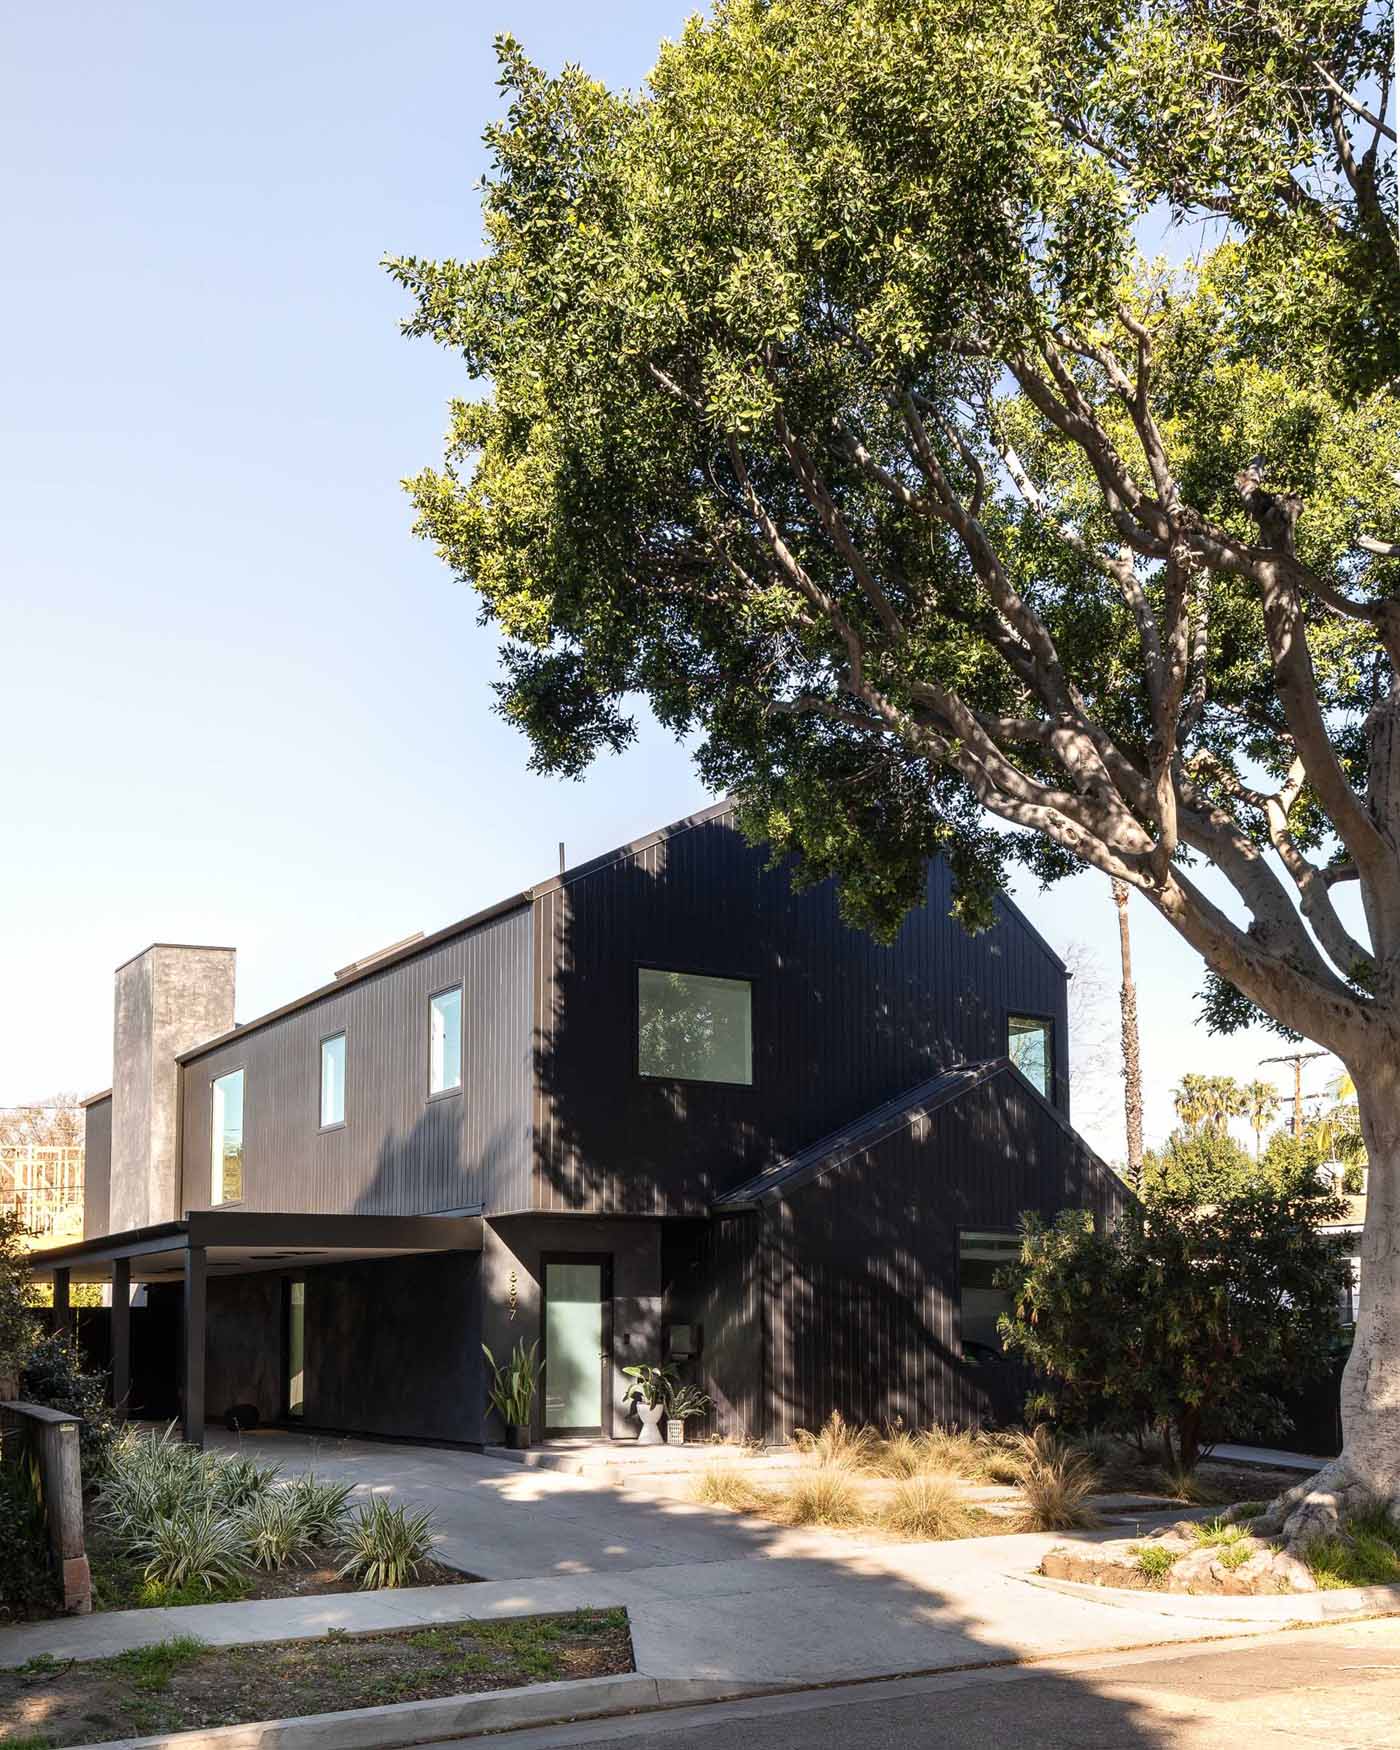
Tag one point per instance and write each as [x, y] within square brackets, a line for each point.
[422, 1722]
[1269, 1609]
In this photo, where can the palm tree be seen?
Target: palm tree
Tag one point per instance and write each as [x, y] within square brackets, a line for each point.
[1192, 1100]
[1261, 1100]
[1132, 1050]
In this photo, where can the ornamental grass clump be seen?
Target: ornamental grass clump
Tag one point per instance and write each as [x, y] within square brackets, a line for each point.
[383, 1545]
[198, 1546]
[927, 1506]
[322, 1504]
[823, 1495]
[900, 1454]
[1056, 1481]
[276, 1530]
[720, 1485]
[838, 1443]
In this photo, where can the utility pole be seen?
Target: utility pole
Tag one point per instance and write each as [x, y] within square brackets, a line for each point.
[1132, 1051]
[1297, 1059]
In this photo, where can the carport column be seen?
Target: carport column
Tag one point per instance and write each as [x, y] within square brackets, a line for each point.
[194, 1344]
[121, 1334]
[62, 1315]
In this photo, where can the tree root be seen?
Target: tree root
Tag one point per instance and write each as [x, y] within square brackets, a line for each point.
[1313, 1508]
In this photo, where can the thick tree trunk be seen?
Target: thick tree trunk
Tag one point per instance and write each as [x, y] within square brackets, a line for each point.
[1368, 1470]
[1132, 1055]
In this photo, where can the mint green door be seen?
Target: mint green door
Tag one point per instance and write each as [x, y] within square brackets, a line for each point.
[573, 1347]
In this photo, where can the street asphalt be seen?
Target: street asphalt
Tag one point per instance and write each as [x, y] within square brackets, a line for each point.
[1337, 1687]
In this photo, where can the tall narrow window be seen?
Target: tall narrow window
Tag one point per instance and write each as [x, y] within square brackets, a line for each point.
[296, 1348]
[445, 1042]
[333, 1080]
[227, 1138]
[981, 1302]
[1028, 1045]
[694, 1027]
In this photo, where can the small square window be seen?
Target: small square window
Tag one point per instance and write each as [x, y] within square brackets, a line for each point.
[445, 1041]
[333, 1081]
[694, 1027]
[1029, 1046]
[227, 1138]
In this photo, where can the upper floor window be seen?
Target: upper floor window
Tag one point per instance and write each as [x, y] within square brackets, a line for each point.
[333, 1080]
[445, 1041]
[693, 1026]
[227, 1138]
[1029, 1046]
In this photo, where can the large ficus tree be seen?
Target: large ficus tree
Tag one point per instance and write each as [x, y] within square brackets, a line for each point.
[838, 407]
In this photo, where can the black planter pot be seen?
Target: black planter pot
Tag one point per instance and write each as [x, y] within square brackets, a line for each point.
[518, 1437]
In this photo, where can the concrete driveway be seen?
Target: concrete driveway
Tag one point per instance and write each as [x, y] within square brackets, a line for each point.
[718, 1598]
[502, 1521]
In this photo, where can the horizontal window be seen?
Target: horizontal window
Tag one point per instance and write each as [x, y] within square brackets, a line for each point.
[445, 1041]
[694, 1026]
[227, 1138]
[333, 1080]
[1028, 1045]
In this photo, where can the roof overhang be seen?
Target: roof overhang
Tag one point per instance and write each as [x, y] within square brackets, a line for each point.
[239, 1242]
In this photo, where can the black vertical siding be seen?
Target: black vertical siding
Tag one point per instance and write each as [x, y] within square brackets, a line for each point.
[713, 1276]
[862, 1262]
[97, 1168]
[840, 1023]
[399, 1152]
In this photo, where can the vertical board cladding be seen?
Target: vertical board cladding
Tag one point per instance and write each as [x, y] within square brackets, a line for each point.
[840, 1022]
[393, 1347]
[400, 1151]
[97, 1167]
[862, 1262]
[714, 1283]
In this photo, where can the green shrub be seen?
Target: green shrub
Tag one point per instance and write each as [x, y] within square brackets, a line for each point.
[1366, 1552]
[323, 1506]
[1154, 1563]
[200, 1546]
[239, 1482]
[27, 1580]
[384, 1545]
[275, 1530]
[53, 1375]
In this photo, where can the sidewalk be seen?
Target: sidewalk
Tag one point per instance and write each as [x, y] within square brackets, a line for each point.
[812, 1607]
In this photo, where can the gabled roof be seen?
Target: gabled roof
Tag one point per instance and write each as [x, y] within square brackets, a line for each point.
[863, 1133]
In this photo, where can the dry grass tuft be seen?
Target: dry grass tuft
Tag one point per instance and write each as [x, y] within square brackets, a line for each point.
[838, 1443]
[927, 1505]
[951, 1450]
[821, 1496]
[1187, 1485]
[720, 1485]
[900, 1454]
[1056, 1480]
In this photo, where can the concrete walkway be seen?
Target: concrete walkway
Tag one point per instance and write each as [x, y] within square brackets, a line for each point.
[711, 1596]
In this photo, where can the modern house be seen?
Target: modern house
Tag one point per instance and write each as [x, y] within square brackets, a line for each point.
[660, 1106]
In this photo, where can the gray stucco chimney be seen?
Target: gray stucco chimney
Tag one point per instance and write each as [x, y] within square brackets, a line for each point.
[168, 1000]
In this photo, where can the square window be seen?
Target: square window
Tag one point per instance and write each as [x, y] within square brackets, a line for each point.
[445, 1041]
[333, 1080]
[694, 1027]
[227, 1138]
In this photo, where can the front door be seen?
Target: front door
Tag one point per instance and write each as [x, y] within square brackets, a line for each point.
[577, 1297]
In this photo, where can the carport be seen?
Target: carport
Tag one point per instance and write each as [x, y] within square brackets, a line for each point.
[220, 1242]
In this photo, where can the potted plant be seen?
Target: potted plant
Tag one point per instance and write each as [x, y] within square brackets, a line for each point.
[648, 1394]
[683, 1402]
[512, 1391]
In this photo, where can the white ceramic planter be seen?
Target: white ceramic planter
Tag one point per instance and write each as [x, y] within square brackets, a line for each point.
[650, 1415]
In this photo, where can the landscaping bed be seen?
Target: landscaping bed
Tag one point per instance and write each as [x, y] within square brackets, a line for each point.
[119, 1582]
[181, 1685]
